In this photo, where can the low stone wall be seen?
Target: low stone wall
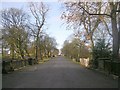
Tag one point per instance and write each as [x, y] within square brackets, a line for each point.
[11, 65]
[109, 65]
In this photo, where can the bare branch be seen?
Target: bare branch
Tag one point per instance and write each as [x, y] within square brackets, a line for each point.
[94, 13]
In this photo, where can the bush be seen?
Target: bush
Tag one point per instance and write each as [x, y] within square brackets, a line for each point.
[101, 50]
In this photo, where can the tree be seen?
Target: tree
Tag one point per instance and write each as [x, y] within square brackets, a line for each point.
[101, 50]
[77, 18]
[46, 46]
[49, 45]
[55, 52]
[75, 49]
[14, 22]
[93, 10]
[39, 12]
[115, 31]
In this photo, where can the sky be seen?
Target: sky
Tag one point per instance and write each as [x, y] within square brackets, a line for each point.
[56, 26]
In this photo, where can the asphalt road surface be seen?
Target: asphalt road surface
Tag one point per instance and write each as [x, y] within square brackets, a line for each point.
[58, 73]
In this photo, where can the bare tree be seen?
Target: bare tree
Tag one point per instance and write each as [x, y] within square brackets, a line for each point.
[77, 18]
[93, 10]
[39, 12]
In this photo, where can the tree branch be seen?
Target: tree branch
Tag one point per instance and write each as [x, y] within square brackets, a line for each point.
[94, 13]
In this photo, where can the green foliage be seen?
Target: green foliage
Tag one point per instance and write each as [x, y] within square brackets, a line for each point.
[23, 39]
[75, 49]
[46, 47]
[15, 36]
[101, 49]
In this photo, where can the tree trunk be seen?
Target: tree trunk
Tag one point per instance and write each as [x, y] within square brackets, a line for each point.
[41, 54]
[2, 51]
[36, 51]
[21, 50]
[115, 33]
[92, 43]
[12, 52]
[119, 30]
[119, 26]
[21, 53]
[27, 52]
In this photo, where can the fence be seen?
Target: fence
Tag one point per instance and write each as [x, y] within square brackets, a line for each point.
[11, 65]
[109, 65]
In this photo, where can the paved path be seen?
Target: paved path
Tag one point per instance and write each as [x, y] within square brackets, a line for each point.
[58, 73]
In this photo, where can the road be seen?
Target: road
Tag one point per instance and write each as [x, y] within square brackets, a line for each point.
[58, 73]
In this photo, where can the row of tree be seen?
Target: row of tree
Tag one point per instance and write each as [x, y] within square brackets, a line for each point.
[25, 37]
[75, 49]
[96, 24]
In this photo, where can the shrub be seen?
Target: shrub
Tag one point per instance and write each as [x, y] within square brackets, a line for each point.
[101, 50]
